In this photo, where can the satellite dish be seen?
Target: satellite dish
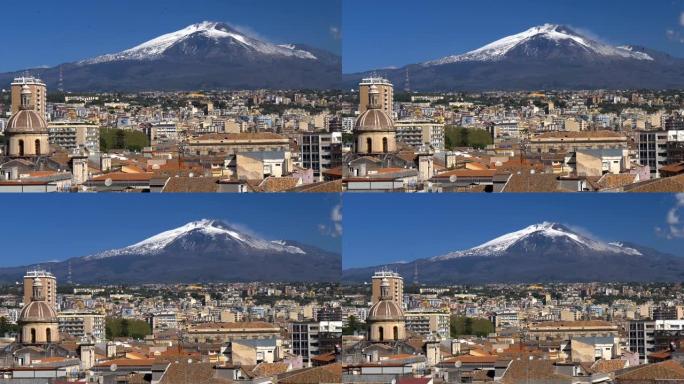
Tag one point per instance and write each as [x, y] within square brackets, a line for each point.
[113, 367]
[453, 178]
[108, 182]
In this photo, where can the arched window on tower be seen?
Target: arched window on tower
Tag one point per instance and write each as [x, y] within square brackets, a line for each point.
[48, 335]
[384, 145]
[37, 147]
[21, 147]
[381, 335]
[369, 145]
[396, 333]
[33, 335]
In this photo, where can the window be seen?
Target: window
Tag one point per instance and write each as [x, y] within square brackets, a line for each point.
[384, 144]
[37, 147]
[21, 147]
[369, 145]
[380, 330]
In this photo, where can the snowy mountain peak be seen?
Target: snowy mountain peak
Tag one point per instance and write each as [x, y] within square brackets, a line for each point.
[552, 35]
[217, 32]
[213, 229]
[546, 230]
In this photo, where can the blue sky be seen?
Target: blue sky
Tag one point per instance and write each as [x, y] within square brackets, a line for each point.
[38, 228]
[386, 33]
[380, 229]
[49, 32]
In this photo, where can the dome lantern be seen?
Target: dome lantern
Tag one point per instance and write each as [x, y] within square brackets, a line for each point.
[25, 97]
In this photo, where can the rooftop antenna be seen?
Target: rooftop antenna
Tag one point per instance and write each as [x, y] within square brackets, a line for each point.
[60, 84]
[69, 281]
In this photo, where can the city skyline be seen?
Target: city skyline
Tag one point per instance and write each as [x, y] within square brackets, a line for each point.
[427, 227]
[65, 234]
[440, 28]
[85, 30]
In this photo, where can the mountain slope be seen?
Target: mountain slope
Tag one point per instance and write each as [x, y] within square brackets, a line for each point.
[544, 252]
[206, 55]
[543, 57]
[200, 251]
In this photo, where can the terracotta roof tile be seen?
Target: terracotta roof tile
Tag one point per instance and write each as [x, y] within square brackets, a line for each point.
[191, 184]
[667, 370]
[665, 184]
[331, 373]
[610, 181]
[607, 366]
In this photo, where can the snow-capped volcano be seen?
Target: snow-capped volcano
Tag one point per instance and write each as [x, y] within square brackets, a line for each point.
[188, 234]
[544, 252]
[546, 231]
[204, 56]
[212, 31]
[539, 39]
[544, 57]
[199, 251]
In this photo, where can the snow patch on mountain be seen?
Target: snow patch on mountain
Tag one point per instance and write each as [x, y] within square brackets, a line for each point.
[156, 47]
[559, 34]
[499, 245]
[212, 228]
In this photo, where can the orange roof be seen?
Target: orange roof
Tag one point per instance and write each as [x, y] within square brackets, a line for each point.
[130, 168]
[660, 354]
[468, 173]
[400, 356]
[236, 325]
[127, 362]
[51, 359]
[476, 166]
[121, 176]
[42, 173]
[569, 324]
[473, 359]
[241, 136]
[673, 168]
[575, 135]
[326, 357]
[390, 170]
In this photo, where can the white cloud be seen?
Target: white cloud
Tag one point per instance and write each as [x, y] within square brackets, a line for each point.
[334, 229]
[588, 33]
[583, 232]
[674, 228]
[336, 217]
[249, 32]
[245, 229]
[673, 35]
[681, 19]
[335, 32]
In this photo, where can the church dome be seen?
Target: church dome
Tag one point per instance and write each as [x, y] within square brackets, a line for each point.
[385, 310]
[374, 120]
[26, 121]
[38, 312]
